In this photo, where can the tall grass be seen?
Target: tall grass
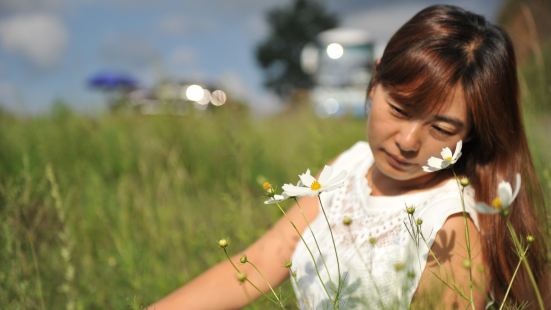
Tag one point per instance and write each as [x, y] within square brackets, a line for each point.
[144, 198]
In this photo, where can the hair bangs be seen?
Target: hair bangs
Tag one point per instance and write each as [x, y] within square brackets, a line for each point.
[421, 82]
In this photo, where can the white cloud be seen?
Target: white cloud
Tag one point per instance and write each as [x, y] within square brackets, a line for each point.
[40, 38]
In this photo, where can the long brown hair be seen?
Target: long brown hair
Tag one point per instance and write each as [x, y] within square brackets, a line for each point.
[443, 47]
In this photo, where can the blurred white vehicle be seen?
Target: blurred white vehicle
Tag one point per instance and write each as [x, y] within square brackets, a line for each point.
[340, 63]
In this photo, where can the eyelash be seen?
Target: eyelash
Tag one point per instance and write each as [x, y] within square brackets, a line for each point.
[442, 131]
[398, 112]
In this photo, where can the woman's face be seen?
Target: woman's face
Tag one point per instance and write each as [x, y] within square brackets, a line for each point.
[402, 142]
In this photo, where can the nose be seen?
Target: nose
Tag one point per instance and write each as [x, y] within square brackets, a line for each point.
[408, 138]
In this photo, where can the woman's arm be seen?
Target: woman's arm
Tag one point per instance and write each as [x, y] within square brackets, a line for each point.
[218, 287]
[450, 250]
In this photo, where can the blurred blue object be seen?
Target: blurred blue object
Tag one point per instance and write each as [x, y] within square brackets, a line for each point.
[112, 81]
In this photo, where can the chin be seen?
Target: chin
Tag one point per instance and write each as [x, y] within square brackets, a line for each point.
[398, 175]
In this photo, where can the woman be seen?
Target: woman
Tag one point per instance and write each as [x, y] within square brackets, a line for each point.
[447, 75]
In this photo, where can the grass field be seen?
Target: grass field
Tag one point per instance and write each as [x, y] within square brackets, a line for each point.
[116, 210]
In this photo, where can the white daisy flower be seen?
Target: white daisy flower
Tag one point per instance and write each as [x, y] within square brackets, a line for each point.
[309, 186]
[435, 164]
[504, 199]
[276, 199]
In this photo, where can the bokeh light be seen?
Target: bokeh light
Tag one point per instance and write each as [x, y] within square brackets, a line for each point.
[334, 50]
[194, 92]
[218, 97]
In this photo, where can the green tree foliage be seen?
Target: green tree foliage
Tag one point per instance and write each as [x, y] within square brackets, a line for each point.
[291, 27]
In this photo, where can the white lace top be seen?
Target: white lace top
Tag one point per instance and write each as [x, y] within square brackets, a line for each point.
[379, 260]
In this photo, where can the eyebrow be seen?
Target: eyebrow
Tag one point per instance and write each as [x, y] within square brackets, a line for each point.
[451, 120]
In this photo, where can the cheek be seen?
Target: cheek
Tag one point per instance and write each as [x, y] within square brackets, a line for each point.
[378, 127]
[371, 129]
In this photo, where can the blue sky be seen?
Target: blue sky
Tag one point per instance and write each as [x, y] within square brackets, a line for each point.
[48, 48]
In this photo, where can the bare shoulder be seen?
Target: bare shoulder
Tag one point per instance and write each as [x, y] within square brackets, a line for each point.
[455, 266]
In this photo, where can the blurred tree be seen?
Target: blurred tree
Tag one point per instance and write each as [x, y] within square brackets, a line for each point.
[291, 27]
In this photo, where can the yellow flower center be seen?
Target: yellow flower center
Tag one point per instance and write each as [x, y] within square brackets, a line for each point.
[267, 186]
[496, 203]
[315, 185]
[448, 158]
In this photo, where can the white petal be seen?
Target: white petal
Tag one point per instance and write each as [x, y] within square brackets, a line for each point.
[430, 169]
[297, 191]
[437, 163]
[505, 193]
[457, 152]
[338, 178]
[332, 186]
[325, 174]
[517, 186]
[306, 178]
[485, 209]
[446, 152]
[276, 199]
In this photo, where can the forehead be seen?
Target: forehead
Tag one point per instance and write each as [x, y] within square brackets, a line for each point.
[452, 104]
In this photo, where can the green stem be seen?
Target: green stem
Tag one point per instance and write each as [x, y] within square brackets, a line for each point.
[526, 265]
[39, 281]
[513, 278]
[335, 302]
[467, 236]
[267, 282]
[452, 286]
[307, 248]
[315, 240]
[304, 298]
[247, 279]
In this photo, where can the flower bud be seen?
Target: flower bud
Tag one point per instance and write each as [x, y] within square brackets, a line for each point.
[530, 238]
[267, 186]
[241, 277]
[467, 263]
[399, 266]
[418, 222]
[347, 220]
[372, 240]
[288, 264]
[464, 181]
[410, 210]
[223, 243]
[243, 259]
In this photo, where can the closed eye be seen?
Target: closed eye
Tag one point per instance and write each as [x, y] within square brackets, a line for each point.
[397, 111]
[442, 130]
